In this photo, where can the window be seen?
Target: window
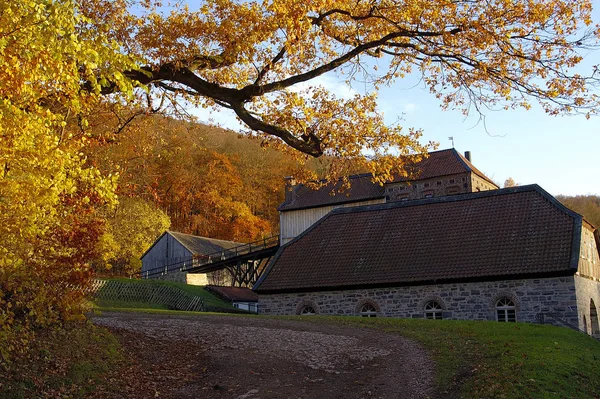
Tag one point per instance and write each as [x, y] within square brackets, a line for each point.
[452, 190]
[368, 310]
[451, 181]
[307, 310]
[433, 310]
[506, 310]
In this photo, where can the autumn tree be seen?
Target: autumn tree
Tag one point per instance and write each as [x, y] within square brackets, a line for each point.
[510, 182]
[207, 180]
[131, 227]
[252, 56]
[586, 205]
[50, 198]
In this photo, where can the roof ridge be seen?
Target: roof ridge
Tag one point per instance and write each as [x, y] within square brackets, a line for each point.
[203, 237]
[454, 198]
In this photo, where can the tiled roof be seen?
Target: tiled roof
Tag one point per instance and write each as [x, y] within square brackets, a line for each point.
[362, 189]
[442, 163]
[202, 245]
[238, 294]
[439, 163]
[499, 233]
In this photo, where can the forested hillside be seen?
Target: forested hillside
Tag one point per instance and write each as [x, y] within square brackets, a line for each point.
[586, 205]
[185, 176]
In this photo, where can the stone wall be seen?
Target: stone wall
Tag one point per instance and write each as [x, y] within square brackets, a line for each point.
[219, 277]
[588, 300]
[461, 301]
[480, 184]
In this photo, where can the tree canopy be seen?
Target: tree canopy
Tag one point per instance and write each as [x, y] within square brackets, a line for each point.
[251, 56]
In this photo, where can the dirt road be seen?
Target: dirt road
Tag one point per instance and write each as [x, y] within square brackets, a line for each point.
[254, 357]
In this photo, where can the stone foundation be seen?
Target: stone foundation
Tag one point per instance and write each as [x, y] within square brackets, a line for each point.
[460, 301]
[588, 301]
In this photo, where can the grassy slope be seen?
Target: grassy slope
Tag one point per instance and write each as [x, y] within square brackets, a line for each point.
[66, 362]
[501, 360]
[210, 300]
[474, 359]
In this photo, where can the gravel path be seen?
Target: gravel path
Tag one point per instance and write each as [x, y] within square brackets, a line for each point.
[242, 357]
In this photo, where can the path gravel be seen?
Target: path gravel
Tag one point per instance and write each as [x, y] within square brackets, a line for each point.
[254, 357]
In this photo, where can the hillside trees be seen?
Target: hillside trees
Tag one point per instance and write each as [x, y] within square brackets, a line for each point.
[586, 205]
[258, 59]
[209, 181]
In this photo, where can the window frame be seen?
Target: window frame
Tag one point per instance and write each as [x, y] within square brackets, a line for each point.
[434, 309]
[372, 312]
[504, 307]
[305, 307]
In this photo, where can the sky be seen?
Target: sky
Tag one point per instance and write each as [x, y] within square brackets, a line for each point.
[561, 154]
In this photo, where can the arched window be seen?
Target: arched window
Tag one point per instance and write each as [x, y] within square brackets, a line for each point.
[307, 310]
[433, 310]
[368, 310]
[506, 310]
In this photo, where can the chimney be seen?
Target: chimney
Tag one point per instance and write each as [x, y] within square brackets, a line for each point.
[468, 155]
[290, 182]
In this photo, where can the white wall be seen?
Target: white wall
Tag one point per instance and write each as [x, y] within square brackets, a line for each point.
[292, 223]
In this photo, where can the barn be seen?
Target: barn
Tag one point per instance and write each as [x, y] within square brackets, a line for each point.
[509, 255]
[174, 250]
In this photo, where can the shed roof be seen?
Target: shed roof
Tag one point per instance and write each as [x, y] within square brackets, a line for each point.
[439, 163]
[237, 294]
[500, 233]
[197, 245]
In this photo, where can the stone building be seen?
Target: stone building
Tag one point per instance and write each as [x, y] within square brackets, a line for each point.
[444, 172]
[513, 254]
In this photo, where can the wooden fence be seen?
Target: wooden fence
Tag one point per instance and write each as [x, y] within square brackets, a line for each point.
[171, 297]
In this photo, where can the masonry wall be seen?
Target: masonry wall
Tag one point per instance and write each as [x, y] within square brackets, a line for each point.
[480, 184]
[219, 278]
[588, 302]
[434, 187]
[461, 301]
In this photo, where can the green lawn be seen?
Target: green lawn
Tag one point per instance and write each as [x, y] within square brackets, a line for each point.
[500, 360]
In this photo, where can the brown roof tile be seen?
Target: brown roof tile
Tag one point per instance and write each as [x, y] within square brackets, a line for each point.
[509, 232]
[362, 189]
[239, 294]
[439, 163]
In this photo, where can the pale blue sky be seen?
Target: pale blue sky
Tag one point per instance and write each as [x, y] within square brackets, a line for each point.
[561, 154]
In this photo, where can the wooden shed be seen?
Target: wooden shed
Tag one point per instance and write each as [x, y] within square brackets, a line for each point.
[173, 247]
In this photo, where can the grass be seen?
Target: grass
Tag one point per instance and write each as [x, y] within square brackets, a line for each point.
[66, 362]
[500, 360]
[473, 359]
[211, 301]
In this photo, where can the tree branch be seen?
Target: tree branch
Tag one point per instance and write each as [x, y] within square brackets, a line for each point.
[309, 144]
